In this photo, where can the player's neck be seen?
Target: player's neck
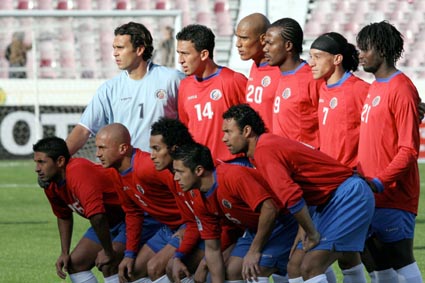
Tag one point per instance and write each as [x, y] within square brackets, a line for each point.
[207, 181]
[139, 72]
[290, 64]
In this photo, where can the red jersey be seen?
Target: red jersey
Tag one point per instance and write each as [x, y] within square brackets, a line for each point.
[261, 89]
[295, 106]
[147, 190]
[295, 171]
[340, 107]
[201, 105]
[236, 195]
[86, 196]
[389, 141]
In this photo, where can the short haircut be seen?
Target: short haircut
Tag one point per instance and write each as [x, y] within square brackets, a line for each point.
[173, 131]
[244, 115]
[139, 36]
[201, 36]
[53, 147]
[382, 37]
[193, 155]
[291, 31]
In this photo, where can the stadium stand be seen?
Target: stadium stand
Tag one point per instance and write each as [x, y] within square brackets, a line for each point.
[63, 53]
[347, 17]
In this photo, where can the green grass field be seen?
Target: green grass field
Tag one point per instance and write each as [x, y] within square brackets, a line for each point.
[29, 238]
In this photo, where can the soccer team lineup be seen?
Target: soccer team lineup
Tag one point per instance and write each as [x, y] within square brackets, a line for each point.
[204, 174]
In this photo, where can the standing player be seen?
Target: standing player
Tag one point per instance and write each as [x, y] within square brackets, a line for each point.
[342, 95]
[388, 152]
[296, 100]
[242, 196]
[94, 198]
[144, 190]
[137, 97]
[300, 175]
[263, 78]
[208, 91]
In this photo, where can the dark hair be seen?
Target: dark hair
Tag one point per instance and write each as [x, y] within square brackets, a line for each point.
[139, 36]
[244, 115]
[53, 147]
[193, 155]
[174, 132]
[336, 43]
[201, 36]
[382, 37]
[291, 31]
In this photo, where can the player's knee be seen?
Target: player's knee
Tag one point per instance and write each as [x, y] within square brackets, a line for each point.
[233, 270]
[155, 270]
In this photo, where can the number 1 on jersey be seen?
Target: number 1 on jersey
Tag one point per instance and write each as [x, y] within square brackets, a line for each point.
[205, 112]
[141, 110]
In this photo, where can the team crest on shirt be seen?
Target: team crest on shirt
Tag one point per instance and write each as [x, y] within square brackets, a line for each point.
[376, 101]
[160, 94]
[333, 103]
[265, 82]
[215, 94]
[286, 93]
[226, 204]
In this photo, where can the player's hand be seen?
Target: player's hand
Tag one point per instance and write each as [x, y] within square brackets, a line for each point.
[106, 263]
[201, 272]
[179, 270]
[62, 265]
[421, 111]
[250, 267]
[125, 269]
[310, 241]
[298, 238]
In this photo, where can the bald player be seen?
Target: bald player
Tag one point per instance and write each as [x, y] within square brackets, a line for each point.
[263, 78]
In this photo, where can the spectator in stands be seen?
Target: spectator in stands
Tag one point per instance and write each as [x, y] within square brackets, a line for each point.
[137, 97]
[16, 54]
[94, 198]
[263, 78]
[208, 91]
[387, 154]
[166, 48]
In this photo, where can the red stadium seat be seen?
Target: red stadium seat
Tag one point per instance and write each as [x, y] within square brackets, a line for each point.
[143, 5]
[123, 5]
[84, 5]
[24, 4]
[6, 5]
[224, 20]
[45, 4]
[161, 5]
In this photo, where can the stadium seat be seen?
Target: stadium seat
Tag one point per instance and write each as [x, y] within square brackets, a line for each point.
[25, 4]
[203, 13]
[184, 6]
[123, 5]
[142, 5]
[47, 53]
[65, 5]
[105, 5]
[224, 21]
[6, 5]
[161, 5]
[84, 5]
[45, 5]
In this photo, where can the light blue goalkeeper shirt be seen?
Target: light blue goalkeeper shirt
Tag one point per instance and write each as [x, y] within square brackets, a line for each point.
[137, 104]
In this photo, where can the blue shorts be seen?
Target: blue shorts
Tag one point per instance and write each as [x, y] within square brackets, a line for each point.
[163, 237]
[392, 225]
[150, 226]
[117, 234]
[275, 253]
[344, 221]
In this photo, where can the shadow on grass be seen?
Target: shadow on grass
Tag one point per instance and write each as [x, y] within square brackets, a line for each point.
[22, 222]
[419, 248]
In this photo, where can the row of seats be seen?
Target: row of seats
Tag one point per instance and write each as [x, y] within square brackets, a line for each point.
[349, 16]
[81, 47]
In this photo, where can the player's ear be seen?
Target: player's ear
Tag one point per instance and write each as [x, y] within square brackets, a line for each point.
[246, 131]
[338, 59]
[199, 170]
[205, 54]
[263, 39]
[140, 50]
[123, 148]
[61, 161]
